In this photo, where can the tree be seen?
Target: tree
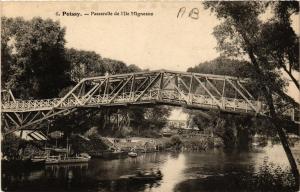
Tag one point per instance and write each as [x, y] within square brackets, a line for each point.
[115, 67]
[10, 146]
[223, 66]
[7, 60]
[34, 55]
[233, 127]
[157, 116]
[36, 64]
[176, 142]
[280, 45]
[87, 64]
[84, 64]
[283, 36]
[241, 33]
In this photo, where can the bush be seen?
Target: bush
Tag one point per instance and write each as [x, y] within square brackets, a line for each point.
[174, 142]
[274, 178]
[10, 146]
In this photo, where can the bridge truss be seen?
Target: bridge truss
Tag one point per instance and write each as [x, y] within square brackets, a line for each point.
[190, 90]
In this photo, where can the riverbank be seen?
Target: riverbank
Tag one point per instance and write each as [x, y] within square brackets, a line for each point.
[175, 142]
[192, 171]
[108, 147]
[113, 148]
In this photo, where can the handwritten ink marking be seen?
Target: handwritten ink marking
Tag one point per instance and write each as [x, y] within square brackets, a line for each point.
[181, 12]
[194, 13]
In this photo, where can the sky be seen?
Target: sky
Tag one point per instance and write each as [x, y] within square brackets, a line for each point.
[161, 41]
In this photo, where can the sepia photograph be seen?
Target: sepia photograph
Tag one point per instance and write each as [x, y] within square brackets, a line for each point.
[157, 96]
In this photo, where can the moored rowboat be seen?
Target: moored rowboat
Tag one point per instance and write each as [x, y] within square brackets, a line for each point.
[132, 154]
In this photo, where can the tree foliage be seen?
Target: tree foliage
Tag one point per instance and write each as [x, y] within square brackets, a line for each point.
[242, 31]
[10, 146]
[34, 63]
[231, 128]
[84, 64]
[156, 117]
[278, 40]
[273, 44]
[223, 66]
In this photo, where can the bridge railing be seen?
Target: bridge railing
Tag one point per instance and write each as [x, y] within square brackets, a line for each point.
[155, 94]
[171, 96]
[29, 104]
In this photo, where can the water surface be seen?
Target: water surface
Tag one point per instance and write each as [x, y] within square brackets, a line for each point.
[185, 171]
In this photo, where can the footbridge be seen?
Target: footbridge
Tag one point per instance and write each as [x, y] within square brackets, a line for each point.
[190, 90]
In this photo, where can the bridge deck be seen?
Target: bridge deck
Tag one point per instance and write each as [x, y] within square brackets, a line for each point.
[172, 96]
[201, 91]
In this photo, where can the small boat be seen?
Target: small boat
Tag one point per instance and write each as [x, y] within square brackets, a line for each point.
[255, 144]
[144, 176]
[38, 158]
[52, 160]
[132, 154]
[147, 177]
[85, 155]
[167, 134]
[38, 162]
[64, 159]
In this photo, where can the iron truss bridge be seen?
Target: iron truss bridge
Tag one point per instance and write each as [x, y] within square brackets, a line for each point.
[189, 90]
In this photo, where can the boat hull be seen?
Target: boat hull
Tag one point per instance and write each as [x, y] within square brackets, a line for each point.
[50, 162]
[131, 154]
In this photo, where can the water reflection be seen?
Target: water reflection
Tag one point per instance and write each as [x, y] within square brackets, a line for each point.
[172, 170]
[65, 170]
[274, 154]
[188, 171]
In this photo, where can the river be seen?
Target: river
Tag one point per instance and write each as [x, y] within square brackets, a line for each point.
[185, 171]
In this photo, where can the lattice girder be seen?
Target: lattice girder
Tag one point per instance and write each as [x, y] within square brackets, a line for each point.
[194, 90]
